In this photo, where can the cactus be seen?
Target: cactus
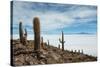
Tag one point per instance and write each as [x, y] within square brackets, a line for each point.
[21, 32]
[82, 51]
[36, 28]
[25, 37]
[25, 33]
[59, 46]
[42, 45]
[48, 42]
[78, 51]
[75, 51]
[72, 51]
[22, 35]
[62, 41]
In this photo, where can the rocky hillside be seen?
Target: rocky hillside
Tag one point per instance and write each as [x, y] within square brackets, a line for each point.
[25, 55]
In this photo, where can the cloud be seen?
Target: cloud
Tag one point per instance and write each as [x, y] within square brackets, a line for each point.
[53, 16]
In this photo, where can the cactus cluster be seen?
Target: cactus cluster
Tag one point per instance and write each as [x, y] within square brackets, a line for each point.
[22, 35]
[77, 51]
[38, 43]
[35, 53]
[62, 41]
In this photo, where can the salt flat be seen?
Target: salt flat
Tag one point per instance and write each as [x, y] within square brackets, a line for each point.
[73, 42]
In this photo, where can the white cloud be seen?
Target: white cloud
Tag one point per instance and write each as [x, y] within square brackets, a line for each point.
[51, 20]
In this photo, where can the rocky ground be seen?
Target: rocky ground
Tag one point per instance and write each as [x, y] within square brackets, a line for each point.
[25, 55]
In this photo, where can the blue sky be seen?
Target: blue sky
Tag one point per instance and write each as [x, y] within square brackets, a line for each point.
[72, 19]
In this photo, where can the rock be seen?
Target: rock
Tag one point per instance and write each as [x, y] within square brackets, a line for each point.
[42, 56]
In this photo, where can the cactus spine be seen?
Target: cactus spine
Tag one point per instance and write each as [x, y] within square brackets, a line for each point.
[21, 32]
[36, 28]
[62, 41]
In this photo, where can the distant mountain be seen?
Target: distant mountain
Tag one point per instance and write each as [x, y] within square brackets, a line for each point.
[84, 33]
[81, 33]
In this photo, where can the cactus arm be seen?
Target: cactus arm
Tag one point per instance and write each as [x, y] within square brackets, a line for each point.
[60, 40]
[25, 32]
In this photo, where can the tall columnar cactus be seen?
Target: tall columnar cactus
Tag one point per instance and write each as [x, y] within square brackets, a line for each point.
[36, 28]
[21, 32]
[62, 41]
